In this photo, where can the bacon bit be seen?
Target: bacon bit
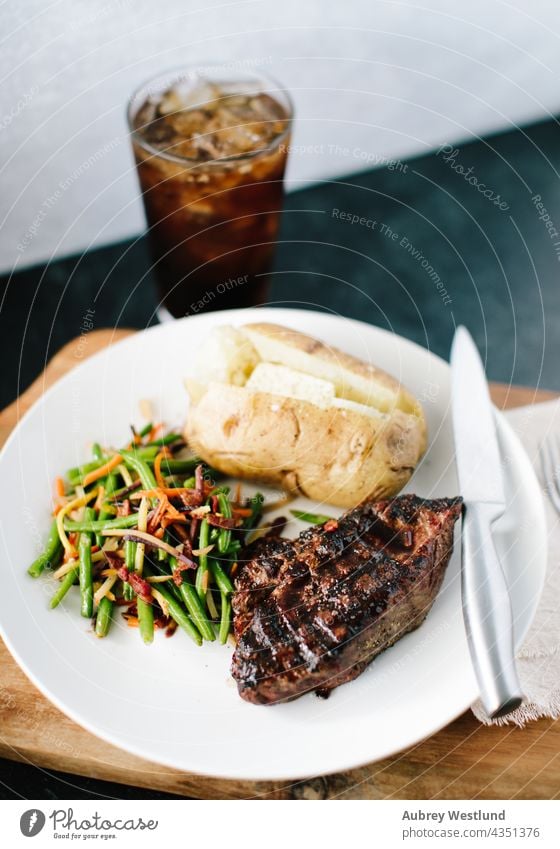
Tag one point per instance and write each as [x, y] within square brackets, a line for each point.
[171, 628]
[59, 487]
[157, 469]
[183, 536]
[140, 586]
[176, 574]
[102, 471]
[194, 527]
[124, 509]
[238, 493]
[215, 504]
[218, 521]
[331, 525]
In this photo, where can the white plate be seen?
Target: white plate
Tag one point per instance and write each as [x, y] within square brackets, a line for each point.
[175, 703]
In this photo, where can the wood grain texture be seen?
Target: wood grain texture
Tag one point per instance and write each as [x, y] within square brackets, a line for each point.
[463, 761]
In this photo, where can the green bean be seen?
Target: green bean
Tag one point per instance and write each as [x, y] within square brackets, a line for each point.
[140, 466]
[202, 559]
[225, 619]
[92, 526]
[78, 472]
[145, 430]
[161, 554]
[50, 556]
[312, 518]
[110, 487]
[103, 618]
[168, 439]
[179, 616]
[129, 562]
[224, 538]
[97, 451]
[222, 580]
[85, 569]
[256, 508]
[170, 467]
[195, 607]
[145, 620]
[65, 585]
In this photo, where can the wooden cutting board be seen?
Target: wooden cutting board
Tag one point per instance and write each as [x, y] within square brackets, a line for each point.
[464, 761]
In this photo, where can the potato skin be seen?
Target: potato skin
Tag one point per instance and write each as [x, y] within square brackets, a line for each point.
[334, 455]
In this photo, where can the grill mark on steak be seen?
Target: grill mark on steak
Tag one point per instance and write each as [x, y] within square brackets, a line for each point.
[312, 613]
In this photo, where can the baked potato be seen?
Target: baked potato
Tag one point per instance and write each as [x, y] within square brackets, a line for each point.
[274, 405]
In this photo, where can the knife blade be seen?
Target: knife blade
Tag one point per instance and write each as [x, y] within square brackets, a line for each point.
[485, 596]
[477, 453]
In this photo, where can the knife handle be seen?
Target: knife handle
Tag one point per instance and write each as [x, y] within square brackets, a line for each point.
[487, 613]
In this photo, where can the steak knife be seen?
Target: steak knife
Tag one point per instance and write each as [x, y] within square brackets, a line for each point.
[486, 603]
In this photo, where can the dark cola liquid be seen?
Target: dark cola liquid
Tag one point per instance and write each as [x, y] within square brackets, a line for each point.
[211, 167]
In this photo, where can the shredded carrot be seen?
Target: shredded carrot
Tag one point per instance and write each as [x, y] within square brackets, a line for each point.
[243, 512]
[56, 509]
[103, 470]
[157, 470]
[132, 621]
[157, 493]
[59, 487]
[234, 569]
[154, 431]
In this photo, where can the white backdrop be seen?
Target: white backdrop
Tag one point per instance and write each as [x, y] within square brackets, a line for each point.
[371, 79]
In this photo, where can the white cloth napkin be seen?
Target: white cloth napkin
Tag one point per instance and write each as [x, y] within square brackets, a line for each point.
[538, 661]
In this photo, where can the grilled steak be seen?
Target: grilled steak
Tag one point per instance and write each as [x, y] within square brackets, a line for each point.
[312, 613]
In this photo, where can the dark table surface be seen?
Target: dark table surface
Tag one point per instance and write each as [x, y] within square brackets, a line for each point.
[456, 237]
